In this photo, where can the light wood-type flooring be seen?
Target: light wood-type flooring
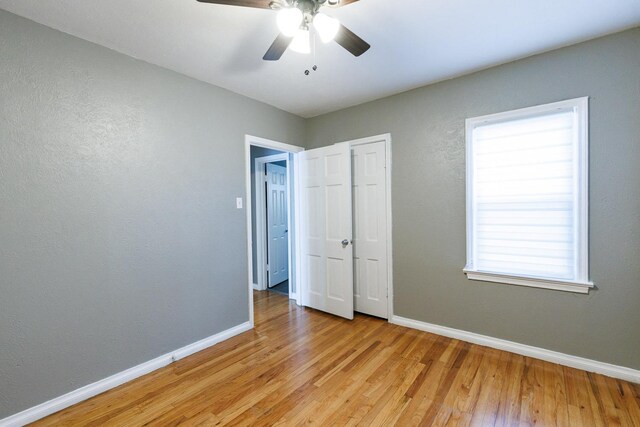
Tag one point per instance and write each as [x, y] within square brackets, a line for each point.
[300, 366]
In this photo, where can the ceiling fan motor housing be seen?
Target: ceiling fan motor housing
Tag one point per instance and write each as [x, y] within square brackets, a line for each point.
[308, 6]
[311, 7]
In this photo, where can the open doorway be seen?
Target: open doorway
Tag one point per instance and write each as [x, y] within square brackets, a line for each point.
[270, 211]
[270, 219]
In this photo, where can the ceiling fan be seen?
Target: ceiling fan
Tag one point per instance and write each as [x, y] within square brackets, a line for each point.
[295, 20]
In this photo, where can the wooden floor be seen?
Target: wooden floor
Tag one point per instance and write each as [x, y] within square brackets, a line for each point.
[300, 366]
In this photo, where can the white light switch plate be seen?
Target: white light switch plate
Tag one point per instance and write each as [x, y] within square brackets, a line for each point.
[239, 202]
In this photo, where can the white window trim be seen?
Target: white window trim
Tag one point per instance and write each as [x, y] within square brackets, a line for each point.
[582, 283]
[534, 282]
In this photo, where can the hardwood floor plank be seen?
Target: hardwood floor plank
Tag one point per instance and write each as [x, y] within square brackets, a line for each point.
[602, 396]
[486, 406]
[300, 366]
[556, 395]
[631, 400]
[494, 403]
[509, 401]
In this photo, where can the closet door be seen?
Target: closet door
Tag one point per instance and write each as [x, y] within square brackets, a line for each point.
[370, 229]
[325, 229]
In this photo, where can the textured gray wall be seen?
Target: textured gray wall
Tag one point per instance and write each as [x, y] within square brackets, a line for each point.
[427, 127]
[119, 236]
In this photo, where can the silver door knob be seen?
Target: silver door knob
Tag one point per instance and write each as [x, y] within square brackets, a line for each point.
[345, 242]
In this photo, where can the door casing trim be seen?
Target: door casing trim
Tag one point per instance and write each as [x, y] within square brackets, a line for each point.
[249, 141]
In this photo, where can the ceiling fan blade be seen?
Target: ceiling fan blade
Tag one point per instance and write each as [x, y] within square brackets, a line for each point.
[260, 4]
[345, 2]
[279, 45]
[348, 40]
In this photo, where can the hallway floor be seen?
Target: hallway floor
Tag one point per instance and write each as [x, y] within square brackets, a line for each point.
[281, 288]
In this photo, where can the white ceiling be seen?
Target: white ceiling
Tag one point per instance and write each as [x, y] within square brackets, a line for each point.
[414, 42]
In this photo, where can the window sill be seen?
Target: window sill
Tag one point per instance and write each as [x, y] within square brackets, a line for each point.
[556, 285]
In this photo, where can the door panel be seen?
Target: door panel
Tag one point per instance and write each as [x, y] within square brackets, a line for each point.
[370, 229]
[325, 222]
[277, 223]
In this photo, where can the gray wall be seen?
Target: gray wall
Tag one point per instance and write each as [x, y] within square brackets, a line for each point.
[119, 236]
[427, 127]
[255, 153]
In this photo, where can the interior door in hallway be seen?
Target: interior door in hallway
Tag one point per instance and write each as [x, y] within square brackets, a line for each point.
[277, 224]
[325, 224]
[370, 229]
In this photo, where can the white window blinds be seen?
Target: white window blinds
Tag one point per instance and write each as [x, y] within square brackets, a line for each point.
[527, 210]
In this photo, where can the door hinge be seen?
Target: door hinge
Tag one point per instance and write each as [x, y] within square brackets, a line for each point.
[267, 267]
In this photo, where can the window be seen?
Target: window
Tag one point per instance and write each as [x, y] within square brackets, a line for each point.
[527, 197]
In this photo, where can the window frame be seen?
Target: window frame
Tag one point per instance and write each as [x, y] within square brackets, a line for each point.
[581, 284]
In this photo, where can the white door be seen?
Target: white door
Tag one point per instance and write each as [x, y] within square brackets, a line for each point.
[370, 229]
[325, 226]
[277, 232]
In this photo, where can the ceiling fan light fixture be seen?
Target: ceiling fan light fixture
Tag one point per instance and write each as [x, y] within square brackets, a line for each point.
[289, 20]
[326, 26]
[301, 43]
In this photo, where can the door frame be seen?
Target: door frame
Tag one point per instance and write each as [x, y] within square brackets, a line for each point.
[386, 138]
[261, 220]
[256, 141]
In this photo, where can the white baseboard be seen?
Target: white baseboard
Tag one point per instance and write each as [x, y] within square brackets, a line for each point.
[607, 369]
[256, 287]
[47, 408]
